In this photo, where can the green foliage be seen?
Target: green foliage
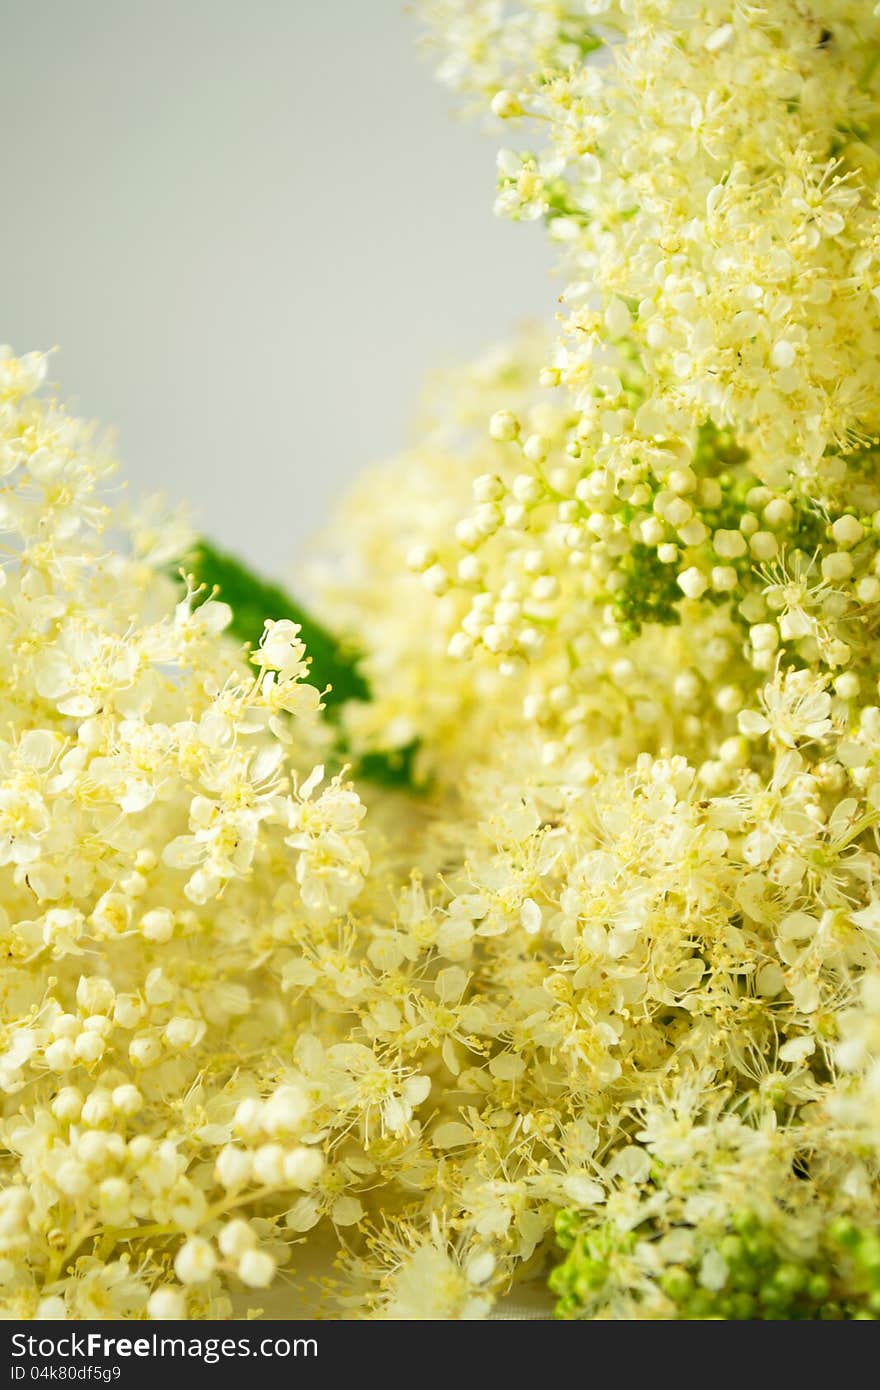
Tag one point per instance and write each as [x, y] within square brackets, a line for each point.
[253, 599]
[582, 36]
[334, 669]
[649, 594]
[394, 768]
[716, 450]
[840, 1280]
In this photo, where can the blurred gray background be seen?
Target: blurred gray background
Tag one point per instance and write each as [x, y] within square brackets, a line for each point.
[251, 228]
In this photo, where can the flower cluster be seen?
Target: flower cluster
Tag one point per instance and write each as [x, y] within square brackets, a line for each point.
[160, 848]
[653, 781]
[711, 181]
[674, 1257]
[606, 969]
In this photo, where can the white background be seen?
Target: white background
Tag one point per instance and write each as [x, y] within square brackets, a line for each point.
[251, 226]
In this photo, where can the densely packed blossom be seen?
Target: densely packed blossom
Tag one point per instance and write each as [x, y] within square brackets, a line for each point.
[163, 842]
[596, 983]
[710, 179]
[658, 760]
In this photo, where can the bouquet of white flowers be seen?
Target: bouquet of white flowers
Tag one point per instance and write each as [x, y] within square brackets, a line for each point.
[517, 914]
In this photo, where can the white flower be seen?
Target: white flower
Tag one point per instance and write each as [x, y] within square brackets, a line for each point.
[796, 708]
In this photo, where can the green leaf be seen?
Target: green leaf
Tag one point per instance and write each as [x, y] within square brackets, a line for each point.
[396, 768]
[253, 599]
[334, 668]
